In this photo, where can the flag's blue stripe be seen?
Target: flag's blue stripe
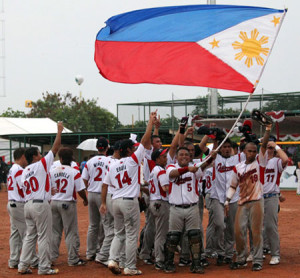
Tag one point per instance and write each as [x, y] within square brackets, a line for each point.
[181, 23]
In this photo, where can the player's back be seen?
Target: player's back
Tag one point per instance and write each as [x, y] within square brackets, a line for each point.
[67, 182]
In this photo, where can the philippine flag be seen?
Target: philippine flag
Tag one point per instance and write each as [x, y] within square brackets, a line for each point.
[216, 46]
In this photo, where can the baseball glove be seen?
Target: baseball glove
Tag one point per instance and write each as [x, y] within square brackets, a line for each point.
[262, 118]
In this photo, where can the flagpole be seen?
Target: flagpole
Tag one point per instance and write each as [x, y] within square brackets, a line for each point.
[238, 118]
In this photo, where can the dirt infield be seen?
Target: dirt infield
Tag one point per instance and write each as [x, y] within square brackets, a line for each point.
[289, 228]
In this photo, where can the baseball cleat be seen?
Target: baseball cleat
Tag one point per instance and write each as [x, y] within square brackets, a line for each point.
[98, 261]
[238, 265]
[114, 267]
[148, 261]
[49, 272]
[183, 262]
[79, 263]
[169, 268]
[132, 271]
[256, 267]
[25, 271]
[249, 258]
[274, 260]
[159, 266]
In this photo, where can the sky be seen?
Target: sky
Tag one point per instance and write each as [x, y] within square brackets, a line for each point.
[49, 42]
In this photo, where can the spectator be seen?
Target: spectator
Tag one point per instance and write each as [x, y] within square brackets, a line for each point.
[3, 174]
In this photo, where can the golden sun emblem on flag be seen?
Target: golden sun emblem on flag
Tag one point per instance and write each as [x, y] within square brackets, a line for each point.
[251, 48]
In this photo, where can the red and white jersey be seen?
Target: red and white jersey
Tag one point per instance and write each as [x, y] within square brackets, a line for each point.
[208, 179]
[123, 175]
[250, 178]
[150, 164]
[94, 172]
[14, 184]
[58, 163]
[67, 182]
[272, 175]
[35, 179]
[222, 171]
[158, 179]
[183, 190]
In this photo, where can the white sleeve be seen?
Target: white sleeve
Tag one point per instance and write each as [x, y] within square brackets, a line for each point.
[78, 181]
[163, 178]
[107, 179]
[169, 170]
[48, 158]
[85, 173]
[138, 155]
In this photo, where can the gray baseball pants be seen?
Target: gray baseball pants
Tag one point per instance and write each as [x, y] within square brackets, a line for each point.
[229, 238]
[17, 232]
[184, 218]
[219, 226]
[64, 218]
[149, 234]
[252, 211]
[271, 235]
[95, 233]
[126, 228]
[108, 227]
[160, 210]
[210, 239]
[39, 229]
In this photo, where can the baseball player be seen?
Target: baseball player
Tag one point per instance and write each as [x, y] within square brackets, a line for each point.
[249, 176]
[148, 232]
[93, 175]
[36, 184]
[210, 237]
[75, 166]
[277, 161]
[15, 208]
[66, 181]
[184, 209]
[223, 226]
[123, 177]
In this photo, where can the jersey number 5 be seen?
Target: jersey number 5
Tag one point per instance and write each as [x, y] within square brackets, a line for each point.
[124, 180]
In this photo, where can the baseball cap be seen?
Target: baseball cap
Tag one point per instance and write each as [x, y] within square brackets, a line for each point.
[157, 153]
[102, 143]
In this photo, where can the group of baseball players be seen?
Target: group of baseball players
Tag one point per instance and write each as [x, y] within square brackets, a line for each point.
[240, 188]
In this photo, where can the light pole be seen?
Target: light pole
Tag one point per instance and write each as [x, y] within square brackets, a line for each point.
[212, 92]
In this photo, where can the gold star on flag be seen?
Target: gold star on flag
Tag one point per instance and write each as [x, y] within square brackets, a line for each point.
[214, 43]
[276, 20]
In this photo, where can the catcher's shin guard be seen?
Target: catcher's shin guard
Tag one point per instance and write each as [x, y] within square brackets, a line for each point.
[195, 247]
[173, 238]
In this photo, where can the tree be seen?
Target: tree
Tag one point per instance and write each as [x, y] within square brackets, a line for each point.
[77, 115]
[291, 102]
[10, 113]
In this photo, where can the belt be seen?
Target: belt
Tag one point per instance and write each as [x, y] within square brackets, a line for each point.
[36, 201]
[185, 206]
[12, 200]
[269, 195]
[127, 198]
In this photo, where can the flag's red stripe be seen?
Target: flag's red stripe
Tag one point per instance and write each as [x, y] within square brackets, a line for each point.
[181, 63]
